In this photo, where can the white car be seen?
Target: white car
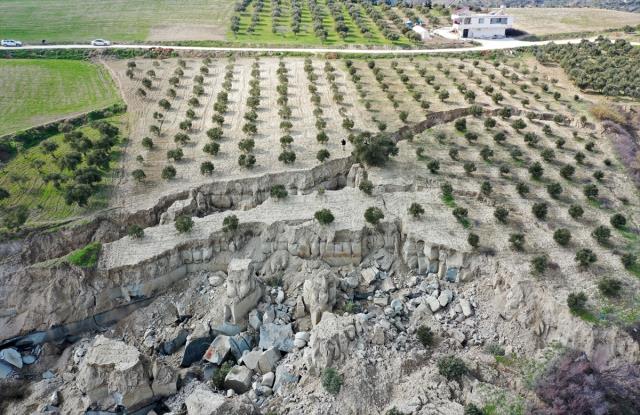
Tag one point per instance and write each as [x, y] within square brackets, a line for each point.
[9, 43]
[100, 42]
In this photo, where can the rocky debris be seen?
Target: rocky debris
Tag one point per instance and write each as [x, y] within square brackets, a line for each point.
[262, 362]
[301, 339]
[243, 291]
[195, 350]
[112, 373]
[11, 356]
[268, 379]
[203, 401]
[434, 303]
[255, 319]
[276, 336]
[465, 306]
[239, 379]
[285, 376]
[164, 379]
[319, 294]
[217, 278]
[223, 346]
[171, 346]
[444, 297]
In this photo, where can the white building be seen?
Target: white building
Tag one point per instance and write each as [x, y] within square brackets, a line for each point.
[481, 26]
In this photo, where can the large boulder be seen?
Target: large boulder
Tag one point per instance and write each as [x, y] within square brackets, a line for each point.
[319, 293]
[203, 401]
[239, 379]
[332, 340]
[243, 291]
[279, 336]
[113, 372]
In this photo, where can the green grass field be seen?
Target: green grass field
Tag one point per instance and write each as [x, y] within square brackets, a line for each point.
[117, 20]
[22, 178]
[34, 92]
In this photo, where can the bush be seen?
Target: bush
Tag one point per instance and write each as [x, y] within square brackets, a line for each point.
[461, 124]
[135, 231]
[501, 214]
[246, 160]
[374, 150]
[540, 210]
[576, 211]
[601, 234]
[591, 191]
[618, 221]
[331, 381]
[433, 166]
[230, 223]
[554, 189]
[323, 155]
[366, 186]
[138, 175]
[522, 189]
[452, 367]
[220, 375]
[278, 191]
[562, 236]
[585, 257]
[176, 154]
[206, 167]
[287, 157]
[471, 409]
[373, 215]
[536, 170]
[567, 171]
[539, 264]
[169, 172]
[324, 216]
[469, 167]
[86, 257]
[447, 190]
[485, 188]
[425, 336]
[416, 210]
[184, 224]
[628, 260]
[610, 287]
[473, 240]
[577, 302]
[460, 213]
[517, 241]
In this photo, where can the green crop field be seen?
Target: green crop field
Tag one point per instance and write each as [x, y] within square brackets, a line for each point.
[37, 91]
[117, 20]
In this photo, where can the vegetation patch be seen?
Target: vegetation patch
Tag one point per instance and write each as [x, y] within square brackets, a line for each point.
[86, 257]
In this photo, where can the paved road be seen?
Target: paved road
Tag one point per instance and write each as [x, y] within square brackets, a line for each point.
[485, 45]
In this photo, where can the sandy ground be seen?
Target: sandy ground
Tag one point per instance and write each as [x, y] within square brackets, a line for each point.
[544, 21]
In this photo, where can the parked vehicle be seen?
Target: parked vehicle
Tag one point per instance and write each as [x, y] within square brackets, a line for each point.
[10, 43]
[100, 42]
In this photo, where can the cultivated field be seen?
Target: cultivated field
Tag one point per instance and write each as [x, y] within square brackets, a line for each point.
[118, 20]
[34, 178]
[33, 92]
[547, 21]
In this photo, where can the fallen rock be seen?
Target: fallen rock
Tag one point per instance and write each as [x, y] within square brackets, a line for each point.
[434, 304]
[12, 356]
[277, 336]
[203, 401]
[268, 360]
[284, 377]
[466, 307]
[195, 350]
[268, 379]
[319, 294]
[110, 368]
[239, 379]
[445, 297]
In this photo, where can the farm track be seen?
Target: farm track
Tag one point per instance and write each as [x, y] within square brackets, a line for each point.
[485, 45]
